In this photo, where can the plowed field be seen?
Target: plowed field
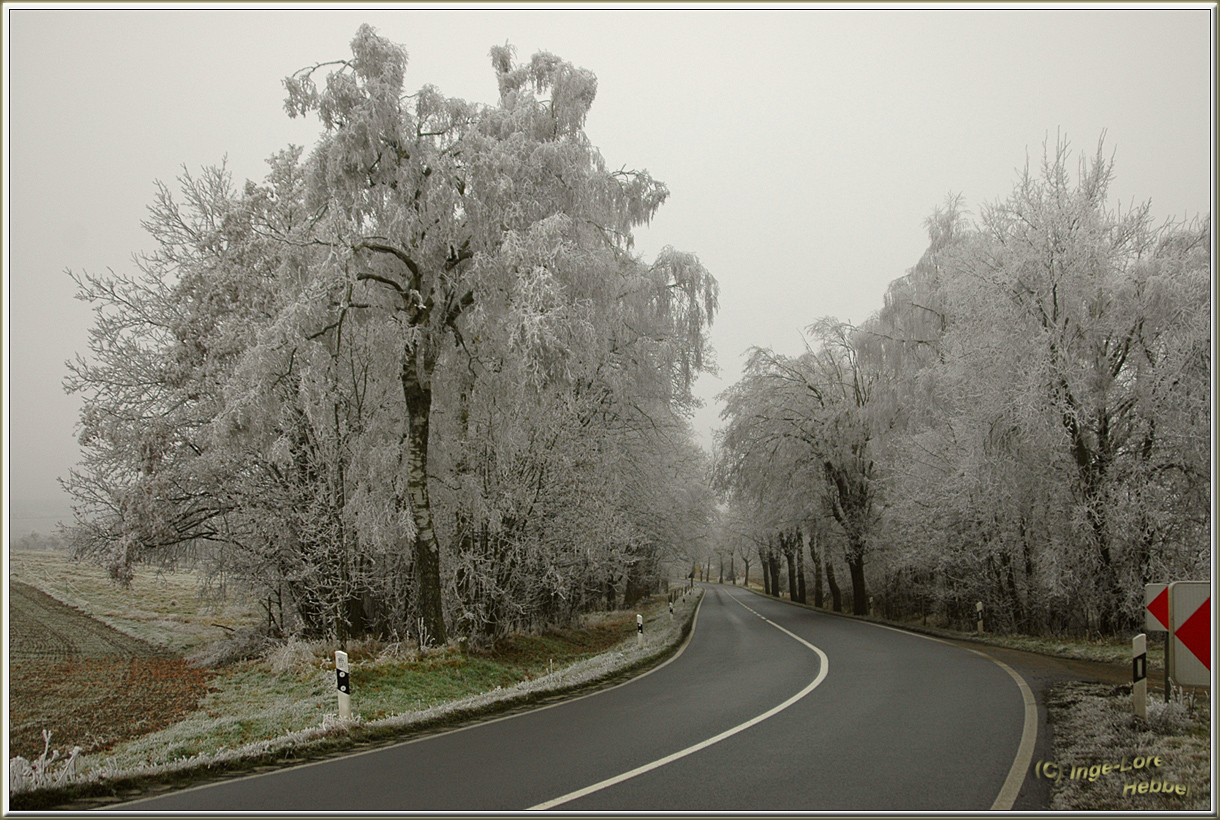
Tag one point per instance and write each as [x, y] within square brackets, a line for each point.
[90, 685]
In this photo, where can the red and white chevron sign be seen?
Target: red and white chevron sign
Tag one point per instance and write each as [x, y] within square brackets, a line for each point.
[1190, 625]
[1156, 607]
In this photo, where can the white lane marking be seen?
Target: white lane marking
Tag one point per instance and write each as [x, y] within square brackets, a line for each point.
[1029, 729]
[1025, 752]
[823, 665]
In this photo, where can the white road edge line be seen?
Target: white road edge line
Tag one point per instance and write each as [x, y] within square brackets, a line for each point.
[823, 665]
[1025, 752]
[1029, 729]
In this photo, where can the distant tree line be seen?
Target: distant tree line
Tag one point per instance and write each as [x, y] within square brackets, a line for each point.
[39, 541]
[416, 381]
[1025, 421]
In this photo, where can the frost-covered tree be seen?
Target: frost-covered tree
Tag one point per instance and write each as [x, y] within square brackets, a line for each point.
[424, 358]
[164, 346]
[226, 408]
[1025, 421]
[1107, 313]
[813, 416]
[455, 213]
[784, 457]
[1042, 462]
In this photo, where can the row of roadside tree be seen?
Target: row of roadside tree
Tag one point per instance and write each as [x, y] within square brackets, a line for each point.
[1025, 421]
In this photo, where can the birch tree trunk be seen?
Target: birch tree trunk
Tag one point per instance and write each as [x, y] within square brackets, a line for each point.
[426, 550]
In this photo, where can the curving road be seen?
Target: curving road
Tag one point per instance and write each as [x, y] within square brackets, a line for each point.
[769, 707]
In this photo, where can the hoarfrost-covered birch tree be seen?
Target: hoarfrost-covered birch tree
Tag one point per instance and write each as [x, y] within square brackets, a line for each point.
[432, 266]
[450, 209]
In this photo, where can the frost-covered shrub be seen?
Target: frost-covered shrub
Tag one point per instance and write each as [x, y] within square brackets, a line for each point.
[48, 770]
[296, 655]
[1169, 718]
[397, 652]
[239, 645]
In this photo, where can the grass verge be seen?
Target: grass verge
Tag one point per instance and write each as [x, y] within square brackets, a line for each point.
[1093, 726]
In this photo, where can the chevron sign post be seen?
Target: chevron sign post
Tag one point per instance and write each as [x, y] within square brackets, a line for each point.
[1139, 674]
[1190, 629]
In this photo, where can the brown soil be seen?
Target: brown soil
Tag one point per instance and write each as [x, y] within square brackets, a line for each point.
[88, 684]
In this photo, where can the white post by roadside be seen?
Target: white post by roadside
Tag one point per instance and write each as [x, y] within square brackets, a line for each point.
[343, 685]
[1139, 674]
[979, 607]
[639, 630]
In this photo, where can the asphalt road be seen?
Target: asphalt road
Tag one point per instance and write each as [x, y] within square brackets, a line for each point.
[804, 711]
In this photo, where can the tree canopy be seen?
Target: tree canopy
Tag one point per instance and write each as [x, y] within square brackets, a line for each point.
[417, 379]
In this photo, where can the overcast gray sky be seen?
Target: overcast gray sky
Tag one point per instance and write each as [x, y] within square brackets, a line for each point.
[802, 148]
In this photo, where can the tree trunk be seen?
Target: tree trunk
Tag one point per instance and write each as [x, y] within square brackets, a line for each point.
[1109, 619]
[800, 568]
[633, 590]
[1014, 594]
[766, 571]
[733, 568]
[427, 553]
[817, 571]
[1030, 627]
[859, 596]
[747, 580]
[836, 596]
[792, 593]
[1093, 466]
[773, 560]
[354, 624]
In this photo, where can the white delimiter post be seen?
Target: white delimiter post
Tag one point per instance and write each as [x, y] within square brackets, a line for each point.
[979, 607]
[342, 683]
[1139, 674]
[639, 628]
